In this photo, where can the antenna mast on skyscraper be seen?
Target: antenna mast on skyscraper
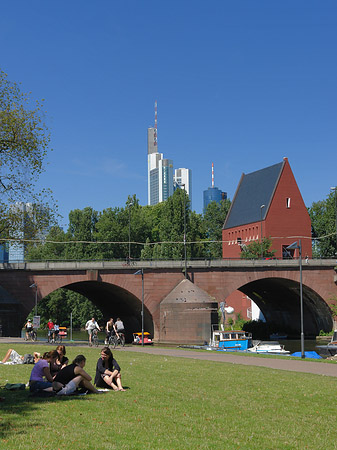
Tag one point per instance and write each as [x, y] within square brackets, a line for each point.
[212, 175]
[155, 123]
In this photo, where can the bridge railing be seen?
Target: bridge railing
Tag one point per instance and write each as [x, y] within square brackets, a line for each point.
[174, 264]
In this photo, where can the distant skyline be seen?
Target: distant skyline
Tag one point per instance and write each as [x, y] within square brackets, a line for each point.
[241, 84]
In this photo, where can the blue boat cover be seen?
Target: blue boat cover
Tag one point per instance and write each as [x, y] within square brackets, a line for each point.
[313, 355]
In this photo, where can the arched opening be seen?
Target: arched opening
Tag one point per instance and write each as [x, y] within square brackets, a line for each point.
[279, 301]
[115, 301]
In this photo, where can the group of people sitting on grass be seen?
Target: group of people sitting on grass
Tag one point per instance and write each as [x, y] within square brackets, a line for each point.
[52, 373]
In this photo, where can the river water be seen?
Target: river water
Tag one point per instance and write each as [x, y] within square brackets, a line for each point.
[291, 345]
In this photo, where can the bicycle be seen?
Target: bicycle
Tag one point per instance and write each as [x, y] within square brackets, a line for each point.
[54, 338]
[94, 338]
[58, 339]
[117, 340]
[32, 335]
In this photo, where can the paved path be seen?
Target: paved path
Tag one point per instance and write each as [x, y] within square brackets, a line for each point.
[294, 365]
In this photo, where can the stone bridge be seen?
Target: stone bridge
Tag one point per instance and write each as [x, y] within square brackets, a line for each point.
[114, 287]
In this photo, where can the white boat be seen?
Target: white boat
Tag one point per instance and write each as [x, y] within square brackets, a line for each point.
[269, 347]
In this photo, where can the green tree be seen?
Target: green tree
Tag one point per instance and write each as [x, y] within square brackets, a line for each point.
[323, 223]
[214, 219]
[82, 228]
[256, 250]
[52, 248]
[24, 140]
[58, 305]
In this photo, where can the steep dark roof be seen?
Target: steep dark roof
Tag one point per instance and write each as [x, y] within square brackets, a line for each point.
[255, 189]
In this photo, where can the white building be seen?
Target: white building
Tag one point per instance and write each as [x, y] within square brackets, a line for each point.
[160, 171]
[184, 177]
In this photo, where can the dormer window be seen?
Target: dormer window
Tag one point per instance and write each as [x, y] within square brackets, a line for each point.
[288, 202]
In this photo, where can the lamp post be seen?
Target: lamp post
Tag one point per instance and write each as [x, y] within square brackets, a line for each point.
[298, 246]
[261, 208]
[334, 189]
[34, 285]
[141, 272]
[129, 205]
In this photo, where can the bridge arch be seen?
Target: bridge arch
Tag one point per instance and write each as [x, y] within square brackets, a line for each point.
[115, 301]
[218, 278]
[279, 301]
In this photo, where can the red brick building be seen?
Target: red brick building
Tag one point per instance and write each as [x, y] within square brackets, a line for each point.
[267, 203]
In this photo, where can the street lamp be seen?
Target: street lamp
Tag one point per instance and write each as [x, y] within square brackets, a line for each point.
[334, 189]
[141, 272]
[298, 246]
[129, 205]
[261, 208]
[34, 285]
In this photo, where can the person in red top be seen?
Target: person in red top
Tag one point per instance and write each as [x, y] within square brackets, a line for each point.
[50, 327]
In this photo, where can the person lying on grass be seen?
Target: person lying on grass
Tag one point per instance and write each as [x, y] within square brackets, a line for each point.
[73, 376]
[13, 357]
[40, 377]
[108, 372]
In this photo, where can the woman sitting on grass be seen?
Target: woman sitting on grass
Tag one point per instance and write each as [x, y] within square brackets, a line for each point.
[13, 357]
[61, 350]
[40, 378]
[108, 372]
[59, 360]
[72, 376]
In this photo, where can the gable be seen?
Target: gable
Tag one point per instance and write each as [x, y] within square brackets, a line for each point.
[255, 189]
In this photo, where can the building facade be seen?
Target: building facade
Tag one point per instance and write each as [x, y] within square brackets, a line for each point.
[183, 177]
[213, 194]
[268, 203]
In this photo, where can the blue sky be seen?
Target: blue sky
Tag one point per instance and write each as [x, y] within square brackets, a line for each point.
[240, 83]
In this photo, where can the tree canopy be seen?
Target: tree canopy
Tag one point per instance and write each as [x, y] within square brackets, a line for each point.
[258, 250]
[24, 140]
[323, 223]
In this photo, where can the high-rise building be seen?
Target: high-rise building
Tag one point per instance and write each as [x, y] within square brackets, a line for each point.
[17, 249]
[213, 194]
[160, 169]
[184, 177]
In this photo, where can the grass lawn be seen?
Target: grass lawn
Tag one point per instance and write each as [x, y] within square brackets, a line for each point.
[173, 404]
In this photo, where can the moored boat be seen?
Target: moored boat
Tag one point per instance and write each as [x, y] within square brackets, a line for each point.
[234, 340]
[269, 347]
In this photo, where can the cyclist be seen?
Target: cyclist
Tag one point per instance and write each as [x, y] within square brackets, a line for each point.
[110, 329]
[90, 326]
[50, 328]
[56, 329]
[119, 326]
[29, 328]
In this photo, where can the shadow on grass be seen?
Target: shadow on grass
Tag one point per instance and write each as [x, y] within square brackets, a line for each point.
[18, 409]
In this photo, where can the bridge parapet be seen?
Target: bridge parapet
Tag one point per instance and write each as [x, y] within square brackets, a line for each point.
[191, 264]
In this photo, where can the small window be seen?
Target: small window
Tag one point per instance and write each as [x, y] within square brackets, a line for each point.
[288, 202]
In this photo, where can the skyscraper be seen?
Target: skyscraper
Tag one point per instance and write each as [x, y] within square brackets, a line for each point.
[160, 169]
[213, 194]
[184, 177]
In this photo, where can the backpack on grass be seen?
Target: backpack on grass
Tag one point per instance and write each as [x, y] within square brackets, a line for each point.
[15, 386]
[28, 359]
